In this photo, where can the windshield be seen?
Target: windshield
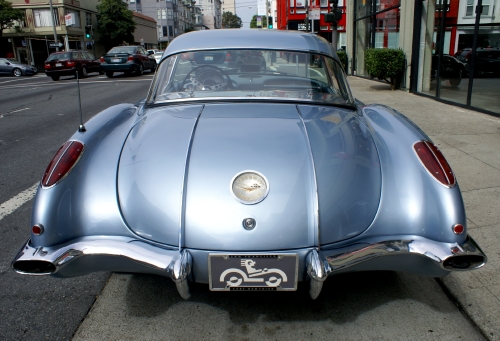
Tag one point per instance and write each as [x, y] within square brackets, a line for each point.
[250, 74]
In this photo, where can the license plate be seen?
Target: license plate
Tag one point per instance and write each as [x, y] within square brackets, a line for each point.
[58, 64]
[116, 60]
[267, 272]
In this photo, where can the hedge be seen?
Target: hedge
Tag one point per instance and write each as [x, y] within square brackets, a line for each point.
[385, 64]
[343, 59]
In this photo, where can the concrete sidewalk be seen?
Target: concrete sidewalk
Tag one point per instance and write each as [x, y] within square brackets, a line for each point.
[470, 142]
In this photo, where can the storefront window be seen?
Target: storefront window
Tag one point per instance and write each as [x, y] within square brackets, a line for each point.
[463, 60]
[377, 26]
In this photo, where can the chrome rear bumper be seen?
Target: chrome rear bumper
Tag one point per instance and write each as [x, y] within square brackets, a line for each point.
[122, 254]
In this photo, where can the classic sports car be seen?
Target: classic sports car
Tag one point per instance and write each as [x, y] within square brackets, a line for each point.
[249, 178]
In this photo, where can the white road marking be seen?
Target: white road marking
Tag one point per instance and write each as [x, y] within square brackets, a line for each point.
[15, 202]
[11, 112]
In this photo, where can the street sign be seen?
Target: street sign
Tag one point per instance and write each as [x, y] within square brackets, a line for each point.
[53, 44]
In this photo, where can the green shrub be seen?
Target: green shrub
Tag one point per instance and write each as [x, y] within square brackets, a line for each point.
[343, 59]
[385, 64]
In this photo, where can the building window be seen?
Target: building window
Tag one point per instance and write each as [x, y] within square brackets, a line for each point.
[471, 5]
[162, 13]
[170, 30]
[43, 17]
[170, 13]
[76, 15]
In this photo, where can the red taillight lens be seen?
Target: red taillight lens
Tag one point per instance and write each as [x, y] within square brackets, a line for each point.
[458, 229]
[130, 58]
[65, 158]
[229, 58]
[37, 229]
[102, 60]
[47, 66]
[434, 162]
[70, 64]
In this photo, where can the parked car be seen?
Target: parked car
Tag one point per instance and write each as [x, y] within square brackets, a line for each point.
[451, 69]
[248, 179]
[11, 67]
[68, 63]
[127, 59]
[158, 56]
[487, 61]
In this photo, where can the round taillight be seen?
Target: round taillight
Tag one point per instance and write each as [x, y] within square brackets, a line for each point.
[37, 229]
[435, 163]
[458, 229]
[64, 160]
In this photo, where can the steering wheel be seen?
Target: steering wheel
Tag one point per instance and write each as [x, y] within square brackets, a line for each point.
[206, 77]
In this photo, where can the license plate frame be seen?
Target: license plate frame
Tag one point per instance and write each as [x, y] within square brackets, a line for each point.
[58, 64]
[116, 60]
[253, 272]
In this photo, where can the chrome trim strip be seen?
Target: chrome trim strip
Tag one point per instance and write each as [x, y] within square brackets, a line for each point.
[182, 222]
[316, 195]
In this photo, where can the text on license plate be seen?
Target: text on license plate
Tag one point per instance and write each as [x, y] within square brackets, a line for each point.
[253, 272]
[115, 60]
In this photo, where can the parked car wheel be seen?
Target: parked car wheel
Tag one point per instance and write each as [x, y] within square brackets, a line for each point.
[153, 69]
[83, 72]
[109, 74]
[17, 72]
[55, 78]
[140, 70]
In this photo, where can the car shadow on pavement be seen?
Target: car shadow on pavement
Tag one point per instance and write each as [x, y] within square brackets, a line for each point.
[343, 299]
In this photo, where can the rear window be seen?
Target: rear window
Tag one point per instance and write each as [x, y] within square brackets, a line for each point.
[122, 49]
[59, 56]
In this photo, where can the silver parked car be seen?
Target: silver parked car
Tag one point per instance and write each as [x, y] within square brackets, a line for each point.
[248, 177]
[11, 67]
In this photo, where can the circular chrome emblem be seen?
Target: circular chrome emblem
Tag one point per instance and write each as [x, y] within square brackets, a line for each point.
[249, 187]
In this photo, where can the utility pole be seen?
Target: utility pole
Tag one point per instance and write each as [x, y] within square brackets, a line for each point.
[53, 24]
[307, 15]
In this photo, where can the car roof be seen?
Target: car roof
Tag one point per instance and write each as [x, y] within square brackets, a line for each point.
[250, 39]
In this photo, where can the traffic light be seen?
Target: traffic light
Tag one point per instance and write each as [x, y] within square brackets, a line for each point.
[88, 31]
[269, 22]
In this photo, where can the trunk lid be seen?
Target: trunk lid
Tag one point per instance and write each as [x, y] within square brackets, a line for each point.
[176, 171]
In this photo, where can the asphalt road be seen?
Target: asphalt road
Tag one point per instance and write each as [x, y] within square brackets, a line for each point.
[36, 116]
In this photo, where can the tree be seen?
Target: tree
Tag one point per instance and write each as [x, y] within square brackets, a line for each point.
[8, 17]
[116, 23]
[230, 20]
[253, 22]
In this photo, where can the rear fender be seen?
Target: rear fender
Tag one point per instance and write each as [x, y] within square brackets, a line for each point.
[84, 202]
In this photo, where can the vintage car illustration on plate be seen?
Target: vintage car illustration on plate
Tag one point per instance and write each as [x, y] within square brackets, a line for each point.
[248, 178]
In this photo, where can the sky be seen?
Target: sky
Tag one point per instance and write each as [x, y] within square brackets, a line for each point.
[244, 12]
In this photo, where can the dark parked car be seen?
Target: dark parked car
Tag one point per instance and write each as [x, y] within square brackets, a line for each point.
[68, 63]
[487, 60]
[128, 59]
[451, 69]
[9, 66]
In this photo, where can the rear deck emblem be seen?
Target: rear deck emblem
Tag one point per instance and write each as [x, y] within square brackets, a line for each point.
[249, 187]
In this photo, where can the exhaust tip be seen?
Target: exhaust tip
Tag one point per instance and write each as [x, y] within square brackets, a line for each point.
[34, 267]
[464, 262]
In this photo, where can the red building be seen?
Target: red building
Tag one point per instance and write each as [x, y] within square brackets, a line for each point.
[292, 16]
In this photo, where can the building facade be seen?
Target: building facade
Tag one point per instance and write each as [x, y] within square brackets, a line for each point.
[452, 47]
[45, 30]
[292, 15]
